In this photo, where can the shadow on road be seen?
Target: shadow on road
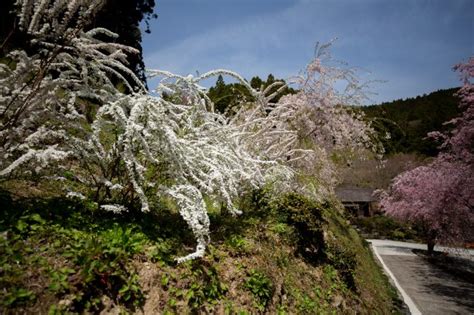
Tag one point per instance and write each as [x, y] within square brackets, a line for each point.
[451, 277]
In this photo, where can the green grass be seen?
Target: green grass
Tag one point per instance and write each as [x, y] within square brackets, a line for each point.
[283, 255]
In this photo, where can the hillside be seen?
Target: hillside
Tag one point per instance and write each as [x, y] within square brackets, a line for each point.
[409, 120]
[286, 255]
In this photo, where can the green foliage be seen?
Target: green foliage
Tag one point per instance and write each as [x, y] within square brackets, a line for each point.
[280, 228]
[408, 121]
[161, 252]
[319, 299]
[60, 280]
[305, 216]
[260, 286]
[256, 82]
[73, 263]
[62, 257]
[205, 286]
[18, 296]
[344, 261]
[238, 245]
[102, 261]
[307, 304]
[227, 97]
[381, 226]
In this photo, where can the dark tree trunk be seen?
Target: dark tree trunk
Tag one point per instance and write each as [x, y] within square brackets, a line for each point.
[431, 245]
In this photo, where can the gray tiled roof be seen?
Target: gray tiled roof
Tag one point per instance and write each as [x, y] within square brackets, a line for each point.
[355, 194]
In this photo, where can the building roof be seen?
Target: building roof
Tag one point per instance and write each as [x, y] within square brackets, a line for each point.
[355, 194]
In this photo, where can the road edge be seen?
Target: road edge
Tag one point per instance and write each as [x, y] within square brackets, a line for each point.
[406, 298]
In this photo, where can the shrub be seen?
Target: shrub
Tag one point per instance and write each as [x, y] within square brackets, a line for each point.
[306, 217]
[344, 261]
[381, 226]
[67, 117]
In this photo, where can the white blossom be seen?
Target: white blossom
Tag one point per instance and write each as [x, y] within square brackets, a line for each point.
[73, 194]
[115, 208]
[142, 146]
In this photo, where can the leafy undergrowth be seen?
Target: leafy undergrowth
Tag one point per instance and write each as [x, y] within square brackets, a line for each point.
[282, 256]
[381, 226]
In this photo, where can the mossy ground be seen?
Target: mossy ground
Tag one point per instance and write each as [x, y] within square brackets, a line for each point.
[284, 255]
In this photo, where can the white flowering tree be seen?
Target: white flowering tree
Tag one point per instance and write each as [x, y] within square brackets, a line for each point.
[176, 148]
[306, 130]
[46, 94]
[138, 146]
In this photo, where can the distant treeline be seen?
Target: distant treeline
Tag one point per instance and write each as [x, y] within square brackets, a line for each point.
[227, 96]
[406, 121]
[409, 120]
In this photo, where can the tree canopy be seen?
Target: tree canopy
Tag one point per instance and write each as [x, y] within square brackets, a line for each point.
[409, 120]
[439, 196]
[227, 96]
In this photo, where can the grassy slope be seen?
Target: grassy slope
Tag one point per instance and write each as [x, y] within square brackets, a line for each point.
[59, 256]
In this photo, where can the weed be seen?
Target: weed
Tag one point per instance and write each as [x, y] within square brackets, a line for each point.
[260, 286]
[59, 280]
[307, 305]
[165, 279]
[205, 287]
[18, 296]
[160, 252]
[344, 261]
[238, 245]
[281, 310]
[70, 255]
[282, 259]
[280, 228]
[103, 269]
[86, 265]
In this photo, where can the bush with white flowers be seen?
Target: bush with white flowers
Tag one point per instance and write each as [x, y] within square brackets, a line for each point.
[74, 105]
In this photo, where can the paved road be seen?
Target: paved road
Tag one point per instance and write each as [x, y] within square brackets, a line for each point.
[426, 289]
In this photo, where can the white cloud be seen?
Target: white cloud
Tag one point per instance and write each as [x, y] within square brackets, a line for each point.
[252, 46]
[404, 44]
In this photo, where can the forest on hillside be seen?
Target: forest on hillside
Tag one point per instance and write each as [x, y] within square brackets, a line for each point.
[402, 125]
[408, 121]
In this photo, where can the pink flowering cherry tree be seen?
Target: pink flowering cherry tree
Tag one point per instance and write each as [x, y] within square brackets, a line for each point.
[440, 195]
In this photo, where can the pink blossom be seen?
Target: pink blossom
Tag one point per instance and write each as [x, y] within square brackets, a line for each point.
[440, 196]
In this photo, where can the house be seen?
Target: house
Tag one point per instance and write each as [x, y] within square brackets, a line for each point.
[358, 201]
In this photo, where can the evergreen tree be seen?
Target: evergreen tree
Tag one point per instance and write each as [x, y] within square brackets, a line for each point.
[227, 96]
[270, 80]
[256, 82]
[123, 17]
[220, 94]
[220, 84]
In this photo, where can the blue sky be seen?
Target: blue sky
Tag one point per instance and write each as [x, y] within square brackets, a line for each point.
[411, 44]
